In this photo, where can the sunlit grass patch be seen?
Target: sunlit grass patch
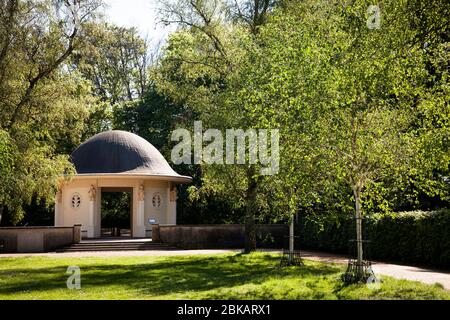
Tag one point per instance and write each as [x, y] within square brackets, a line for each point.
[226, 276]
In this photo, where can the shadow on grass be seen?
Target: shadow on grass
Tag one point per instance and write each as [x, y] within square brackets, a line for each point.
[160, 276]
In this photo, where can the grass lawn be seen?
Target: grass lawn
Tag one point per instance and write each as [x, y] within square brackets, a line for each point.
[226, 276]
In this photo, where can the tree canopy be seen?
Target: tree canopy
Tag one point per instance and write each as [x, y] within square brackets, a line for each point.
[359, 95]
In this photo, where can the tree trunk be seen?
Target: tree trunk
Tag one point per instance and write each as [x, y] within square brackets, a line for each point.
[291, 240]
[250, 227]
[359, 239]
[1, 213]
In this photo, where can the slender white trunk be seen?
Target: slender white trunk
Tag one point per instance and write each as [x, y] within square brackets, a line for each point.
[291, 237]
[359, 239]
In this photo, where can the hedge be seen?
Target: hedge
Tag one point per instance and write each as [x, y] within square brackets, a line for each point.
[418, 237]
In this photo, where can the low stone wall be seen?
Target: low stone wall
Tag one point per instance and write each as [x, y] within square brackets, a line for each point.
[37, 239]
[219, 236]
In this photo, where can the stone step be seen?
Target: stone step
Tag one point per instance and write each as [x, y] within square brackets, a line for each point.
[113, 249]
[116, 246]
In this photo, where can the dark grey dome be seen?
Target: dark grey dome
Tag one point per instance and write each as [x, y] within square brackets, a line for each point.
[120, 152]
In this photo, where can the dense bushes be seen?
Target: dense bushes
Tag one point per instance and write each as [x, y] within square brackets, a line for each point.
[418, 237]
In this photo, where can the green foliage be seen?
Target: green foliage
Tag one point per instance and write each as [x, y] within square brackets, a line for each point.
[358, 109]
[153, 117]
[415, 237]
[348, 100]
[7, 162]
[43, 106]
[100, 119]
[200, 69]
[116, 210]
[115, 60]
[210, 208]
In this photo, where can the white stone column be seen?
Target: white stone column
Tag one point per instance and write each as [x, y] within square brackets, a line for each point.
[59, 218]
[172, 204]
[139, 224]
[91, 227]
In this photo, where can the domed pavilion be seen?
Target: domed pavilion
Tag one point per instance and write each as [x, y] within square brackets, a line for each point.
[118, 161]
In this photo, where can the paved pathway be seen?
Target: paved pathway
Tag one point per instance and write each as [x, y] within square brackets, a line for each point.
[140, 253]
[428, 276]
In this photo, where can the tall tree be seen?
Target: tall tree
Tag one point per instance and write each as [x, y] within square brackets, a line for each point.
[350, 95]
[115, 60]
[197, 68]
[41, 103]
